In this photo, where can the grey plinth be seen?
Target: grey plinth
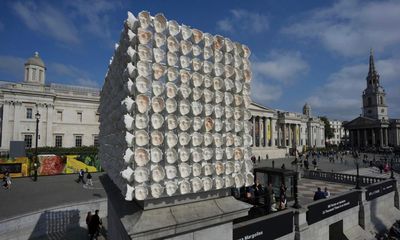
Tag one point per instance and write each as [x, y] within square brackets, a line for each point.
[201, 219]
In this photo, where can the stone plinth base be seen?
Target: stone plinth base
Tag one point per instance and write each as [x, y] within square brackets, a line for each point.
[207, 219]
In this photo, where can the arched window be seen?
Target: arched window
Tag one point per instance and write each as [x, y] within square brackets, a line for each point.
[381, 100]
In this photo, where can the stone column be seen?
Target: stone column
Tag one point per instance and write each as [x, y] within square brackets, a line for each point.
[254, 131]
[352, 138]
[365, 138]
[386, 137]
[289, 135]
[271, 132]
[49, 126]
[358, 138]
[284, 134]
[17, 119]
[381, 136]
[373, 136]
[260, 119]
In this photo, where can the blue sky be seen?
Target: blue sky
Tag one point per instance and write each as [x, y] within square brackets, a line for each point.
[302, 51]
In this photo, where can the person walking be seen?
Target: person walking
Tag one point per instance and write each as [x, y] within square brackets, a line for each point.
[319, 194]
[89, 178]
[88, 219]
[94, 225]
[7, 180]
[327, 193]
[81, 176]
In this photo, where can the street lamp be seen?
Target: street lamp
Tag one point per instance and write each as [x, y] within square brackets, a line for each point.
[295, 182]
[35, 164]
[358, 172]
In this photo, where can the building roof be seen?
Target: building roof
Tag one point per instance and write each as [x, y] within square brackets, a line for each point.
[35, 60]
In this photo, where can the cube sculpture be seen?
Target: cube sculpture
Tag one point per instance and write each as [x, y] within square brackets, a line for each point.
[174, 115]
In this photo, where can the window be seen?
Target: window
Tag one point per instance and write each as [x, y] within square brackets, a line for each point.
[79, 116]
[59, 139]
[29, 113]
[97, 117]
[40, 75]
[59, 115]
[382, 110]
[33, 74]
[381, 98]
[96, 140]
[28, 140]
[78, 141]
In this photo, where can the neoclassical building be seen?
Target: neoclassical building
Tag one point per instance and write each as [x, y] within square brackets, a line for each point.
[373, 128]
[339, 133]
[68, 114]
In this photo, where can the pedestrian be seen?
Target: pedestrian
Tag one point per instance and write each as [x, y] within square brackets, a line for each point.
[8, 180]
[269, 198]
[89, 178]
[81, 176]
[94, 225]
[283, 166]
[5, 184]
[88, 218]
[327, 193]
[319, 194]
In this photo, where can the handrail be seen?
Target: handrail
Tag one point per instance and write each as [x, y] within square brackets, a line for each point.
[341, 177]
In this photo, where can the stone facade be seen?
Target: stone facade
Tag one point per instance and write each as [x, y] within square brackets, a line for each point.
[339, 133]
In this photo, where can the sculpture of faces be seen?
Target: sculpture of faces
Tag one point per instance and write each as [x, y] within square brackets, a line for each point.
[218, 56]
[184, 123]
[158, 88]
[207, 183]
[144, 68]
[171, 105]
[129, 192]
[229, 139]
[208, 39]
[156, 190]
[219, 153]
[237, 113]
[185, 61]
[159, 55]
[229, 167]
[247, 140]
[219, 96]
[238, 126]
[197, 155]
[229, 153]
[218, 110]
[218, 69]
[184, 170]
[228, 98]
[218, 42]
[208, 124]
[172, 139]
[237, 61]
[207, 67]
[248, 165]
[197, 184]
[208, 53]
[184, 187]
[156, 155]
[143, 103]
[186, 47]
[157, 173]
[246, 89]
[229, 71]
[208, 139]
[246, 114]
[160, 39]
[238, 86]
[246, 64]
[141, 157]
[197, 79]
[229, 84]
[217, 139]
[228, 58]
[197, 35]
[185, 76]
[247, 75]
[184, 107]
[219, 182]
[141, 192]
[157, 138]
[144, 36]
[207, 154]
[141, 138]
[141, 121]
[197, 123]
[246, 51]
[219, 168]
[157, 104]
[238, 166]
[157, 120]
[173, 28]
[238, 75]
[160, 23]
[144, 19]
[237, 47]
[184, 154]
[197, 139]
[229, 181]
[127, 174]
[238, 141]
[238, 100]
[186, 32]
[229, 125]
[218, 125]
[196, 169]
[247, 126]
[172, 59]
[185, 91]
[218, 83]
[239, 180]
[171, 188]
[172, 44]
[208, 169]
[248, 153]
[228, 112]
[158, 70]
[208, 95]
[171, 171]
[208, 109]
[197, 108]
[172, 122]
[197, 64]
[142, 84]
[207, 81]
[197, 51]
[172, 155]
[144, 53]
[171, 90]
[141, 174]
[129, 139]
[128, 156]
[184, 138]
[238, 154]
[229, 46]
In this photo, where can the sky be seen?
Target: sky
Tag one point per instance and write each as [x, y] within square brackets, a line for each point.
[302, 51]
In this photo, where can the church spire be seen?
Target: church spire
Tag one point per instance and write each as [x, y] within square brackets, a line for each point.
[373, 76]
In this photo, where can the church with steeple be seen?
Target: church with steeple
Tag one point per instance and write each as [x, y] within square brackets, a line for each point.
[373, 128]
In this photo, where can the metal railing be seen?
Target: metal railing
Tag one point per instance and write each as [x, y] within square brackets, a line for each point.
[341, 177]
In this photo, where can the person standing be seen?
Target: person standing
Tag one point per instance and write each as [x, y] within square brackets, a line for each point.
[258, 191]
[319, 194]
[8, 180]
[88, 219]
[269, 198]
[81, 176]
[89, 178]
[94, 225]
[327, 193]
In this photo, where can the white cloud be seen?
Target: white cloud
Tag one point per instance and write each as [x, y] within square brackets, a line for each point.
[281, 66]
[47, 20]
[73, 74]
[351, 27]
[12, 66]
[243, 20]
[265, 93]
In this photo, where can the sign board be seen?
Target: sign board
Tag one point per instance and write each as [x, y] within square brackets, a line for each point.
[266, 229]
[380, 189]
[11, 168]
[17, 149]
[327, 208]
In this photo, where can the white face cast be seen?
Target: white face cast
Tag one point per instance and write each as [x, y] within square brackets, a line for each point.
[141, 193]
[247, 126]
[196, 169]
[219, 182]
[197, 79]
[238, 86]
[157, 120]
[144, 36]
[248, 164]
[238, 167]
[142, 84]
[207, 81]
[197, 184]
[217, 139]
[208, 169]
[157, 103]
[229, 71]
[144, 68]
[171, 90]
[185, 91]
[184, 187]
[185, 61]
[160, 23]
[247, 140]
[229, 152]
[141, 121]
[144, 19]
[229, 139]
[207, 153]
[186, 47]
[197, 108]
[228, 98]
[156, 155]
[219, 153]
[229, 125]
[207, 67]
[218, 42]
[143, 103]
[238, 126]
[172, 122]
[228, 181]
[197, 155]
[248, 153]
[218, 56]
[159, 55]
[229, 85]
[142, 138]
[172, 139]
[172, 156]
[186, 32]
[145, 53]
[158, 88]
[218, 110]
[208, 53]
[184, 154]
[218, 125]
[209, 108]
[172, 59]
[184, 138]
[184, 123]
[157, 138]
[157, 173]
[197, 123]
[219, 69]
[229, 168]
[197, 64]
[237, 113]
[156, 190]
[129, 138]
[197, 35]
[208, 139]
[171, 188]
[184, 170]
[219, 96]
[171, 105]
[129, 192]
[246, 114]
[197, 139]
[128, 156]
[208, 124]
[208, 39]
[141, 157]
[238, 154]
[219, 168]
[197, 50]
[228, 58]
[228, 112]
[173, 28]
[171, 171]
[160, 39]
[238, 100]
[185, 76]
[239, 181]
[127, 174]
[207, 183]
[141, 174]
[172, 44]
[237, 141]
[158, 71]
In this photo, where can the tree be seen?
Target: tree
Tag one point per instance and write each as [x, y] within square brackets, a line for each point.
[328, 130]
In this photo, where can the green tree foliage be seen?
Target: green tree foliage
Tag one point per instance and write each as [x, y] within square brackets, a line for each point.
[328, 130]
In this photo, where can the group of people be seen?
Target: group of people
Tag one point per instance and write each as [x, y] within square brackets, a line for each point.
[81, 177]
[7, 180]
[319, 194]
[94, 224]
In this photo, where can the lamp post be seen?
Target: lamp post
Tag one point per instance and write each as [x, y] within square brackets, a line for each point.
[358, 172]
[35, 164]
[295, 182]
[391, 168]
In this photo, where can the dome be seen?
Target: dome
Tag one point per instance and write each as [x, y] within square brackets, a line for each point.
[307, 106]
[35, 60]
